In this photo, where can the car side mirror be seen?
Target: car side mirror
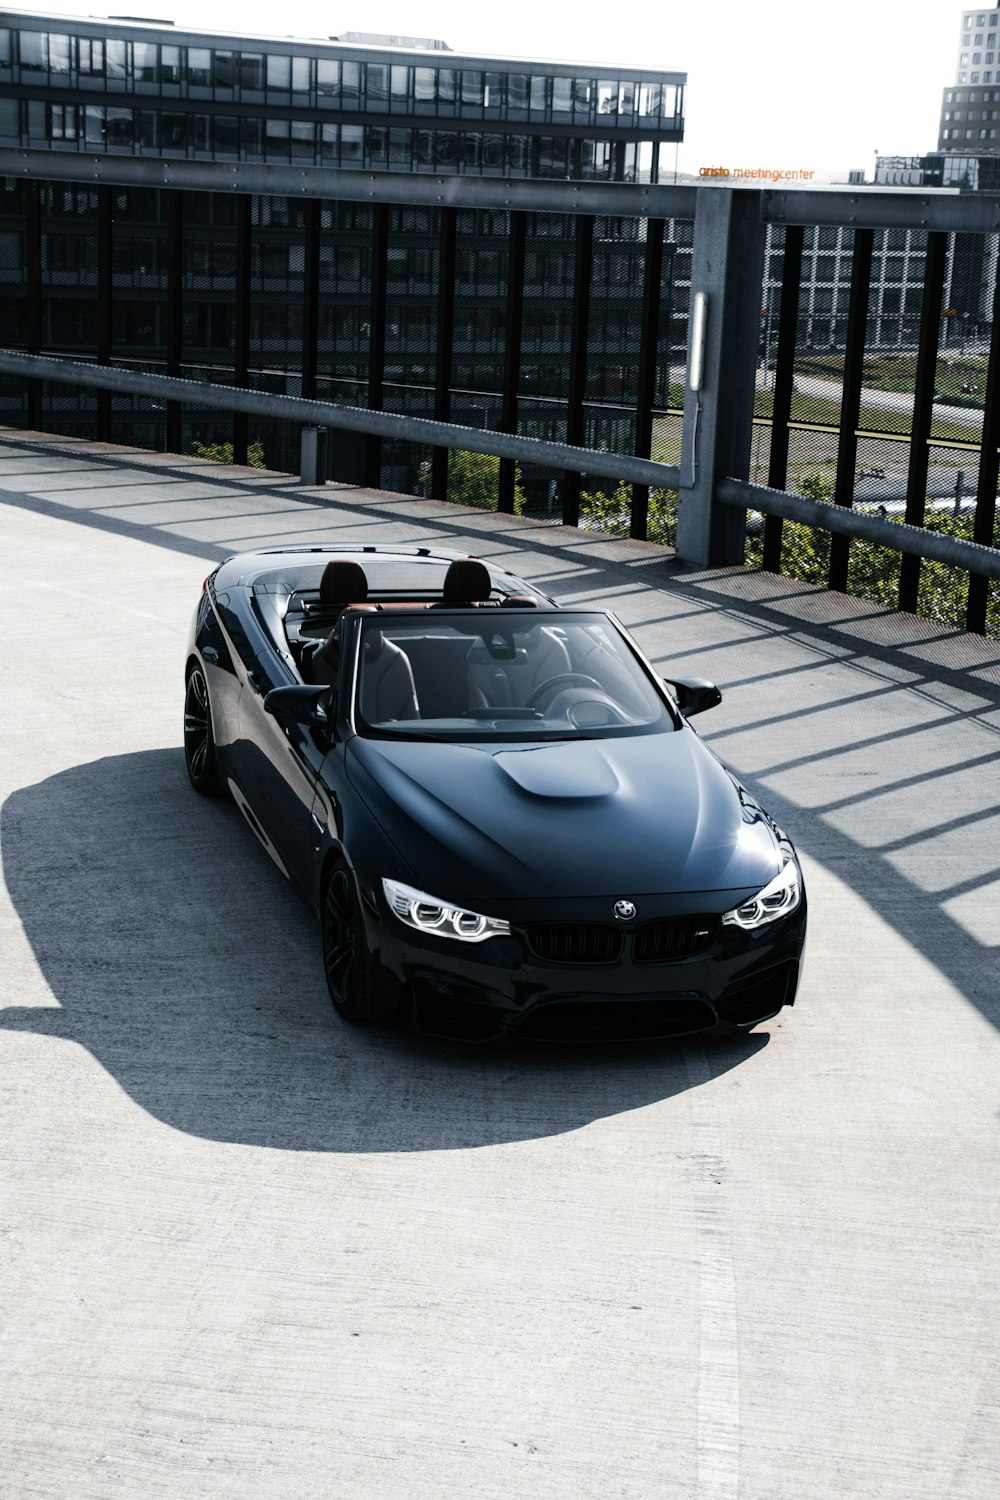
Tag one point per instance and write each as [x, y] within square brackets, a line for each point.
[298, 705]
[694, 694]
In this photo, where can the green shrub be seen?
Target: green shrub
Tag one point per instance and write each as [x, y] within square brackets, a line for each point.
[873, 572]
[613, 513]
[222, 453]
[474, 479]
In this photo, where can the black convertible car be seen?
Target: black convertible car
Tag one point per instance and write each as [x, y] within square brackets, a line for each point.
[498, 810]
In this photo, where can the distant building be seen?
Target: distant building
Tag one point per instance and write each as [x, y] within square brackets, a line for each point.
[128, 87]
[970, 113]
[322, 291]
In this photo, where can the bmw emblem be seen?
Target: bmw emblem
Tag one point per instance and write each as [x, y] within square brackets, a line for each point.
[624, 911]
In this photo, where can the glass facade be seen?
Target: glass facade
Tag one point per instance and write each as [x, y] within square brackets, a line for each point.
[413, 309]
[336, 106]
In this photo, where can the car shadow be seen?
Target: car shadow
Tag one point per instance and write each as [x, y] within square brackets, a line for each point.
[185, 965]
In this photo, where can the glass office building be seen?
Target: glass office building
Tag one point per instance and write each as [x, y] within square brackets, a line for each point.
[136, 89]
[465, 313]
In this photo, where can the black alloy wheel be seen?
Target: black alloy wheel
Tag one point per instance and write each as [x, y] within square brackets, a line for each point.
[345, 956]
[199, 741]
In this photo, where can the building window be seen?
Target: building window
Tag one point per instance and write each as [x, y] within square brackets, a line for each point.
[350, 83]
[279, 73]
[227, 135]
[423, 88]
[446, 85]
[562, 94]
[304, 140]
[64, 124]
[90, 56]
[517, 91]
[224, 70]
[199, 69]
[473, 89]
[378, 83]
[32, 51]
[327, 80]
[173, 132]
[120, 127]
[351, 146]
[251, 72]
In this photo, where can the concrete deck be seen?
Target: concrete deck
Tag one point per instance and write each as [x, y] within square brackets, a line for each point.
[246, 1251]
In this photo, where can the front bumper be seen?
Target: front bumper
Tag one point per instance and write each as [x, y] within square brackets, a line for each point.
[501, 987]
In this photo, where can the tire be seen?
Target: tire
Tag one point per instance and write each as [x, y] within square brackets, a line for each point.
[199, 741]
[345, 954]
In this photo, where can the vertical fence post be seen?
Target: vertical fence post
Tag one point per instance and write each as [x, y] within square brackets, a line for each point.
[104, 288]
[850, 405]
[583, 271]
[310, 297]
[727, 267]
[512, 352]
[175, 308]
[646, 385]
[241, 325]
[376, 343]
[33, 293]
[784, 371]
[445, 345]
[989, 466]
[923, 412]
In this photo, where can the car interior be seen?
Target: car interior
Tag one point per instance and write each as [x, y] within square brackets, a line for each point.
[443, 671]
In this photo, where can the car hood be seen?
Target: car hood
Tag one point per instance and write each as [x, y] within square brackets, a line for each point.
[648, 814]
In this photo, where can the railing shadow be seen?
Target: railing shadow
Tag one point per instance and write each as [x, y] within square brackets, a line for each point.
[190, 971]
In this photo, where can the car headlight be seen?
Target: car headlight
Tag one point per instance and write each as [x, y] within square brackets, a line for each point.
[779, 897]
[428, 914]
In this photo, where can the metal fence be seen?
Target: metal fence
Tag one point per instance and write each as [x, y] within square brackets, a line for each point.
[844, 427]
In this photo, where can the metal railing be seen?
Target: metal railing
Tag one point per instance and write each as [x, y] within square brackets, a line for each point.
[752, 261]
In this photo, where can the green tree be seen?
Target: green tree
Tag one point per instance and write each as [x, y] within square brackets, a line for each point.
[474, 479]
[222, 453]
[873, 572]
[612, 513]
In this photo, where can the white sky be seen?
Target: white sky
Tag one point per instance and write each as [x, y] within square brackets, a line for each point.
[779, 84]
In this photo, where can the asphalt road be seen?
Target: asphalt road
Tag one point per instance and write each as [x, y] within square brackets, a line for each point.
[246, 1251]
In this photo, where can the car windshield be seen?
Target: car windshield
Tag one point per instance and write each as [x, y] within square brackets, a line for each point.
[488, 674]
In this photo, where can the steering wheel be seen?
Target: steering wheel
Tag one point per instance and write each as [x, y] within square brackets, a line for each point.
[577, 715]
[563, 679]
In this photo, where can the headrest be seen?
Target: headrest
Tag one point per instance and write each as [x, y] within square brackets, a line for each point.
[467, 581]
[343, 582]
[520, 601]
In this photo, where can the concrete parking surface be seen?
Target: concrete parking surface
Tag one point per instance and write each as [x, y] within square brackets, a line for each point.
[247, 1251]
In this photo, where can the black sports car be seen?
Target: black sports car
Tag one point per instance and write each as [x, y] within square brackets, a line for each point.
[499, 811]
